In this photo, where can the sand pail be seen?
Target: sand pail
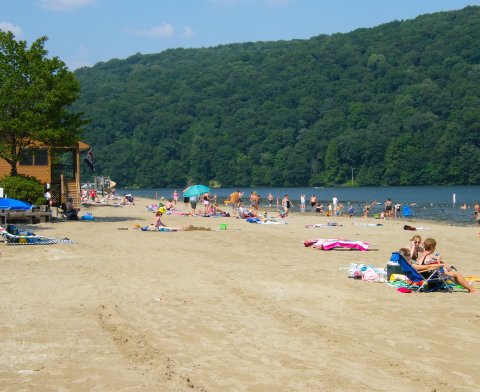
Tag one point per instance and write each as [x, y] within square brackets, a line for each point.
[223, 226]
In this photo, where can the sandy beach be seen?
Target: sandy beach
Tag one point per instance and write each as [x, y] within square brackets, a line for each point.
[243, 309]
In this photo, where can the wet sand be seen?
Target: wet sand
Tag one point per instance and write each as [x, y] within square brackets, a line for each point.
[243, 309]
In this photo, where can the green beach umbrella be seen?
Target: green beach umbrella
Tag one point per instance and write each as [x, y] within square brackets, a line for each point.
[195, 190]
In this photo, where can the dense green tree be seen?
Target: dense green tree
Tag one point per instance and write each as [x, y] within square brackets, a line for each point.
[335, 170]
[397, 104]
[35, 95]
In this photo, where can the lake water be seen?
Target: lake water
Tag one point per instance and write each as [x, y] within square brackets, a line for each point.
[426, 202]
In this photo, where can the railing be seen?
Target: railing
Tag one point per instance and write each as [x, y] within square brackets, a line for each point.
[56, 191]
[68, 172]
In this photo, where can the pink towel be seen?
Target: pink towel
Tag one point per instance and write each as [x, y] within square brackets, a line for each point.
[328, 244]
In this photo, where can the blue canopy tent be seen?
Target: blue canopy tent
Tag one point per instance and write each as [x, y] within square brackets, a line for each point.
[13, 205]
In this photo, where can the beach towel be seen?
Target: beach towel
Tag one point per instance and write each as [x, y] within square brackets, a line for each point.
[266, 221]
[273, 222]
[472, 278]
[164, 229]
[334, 243]
[329, 224]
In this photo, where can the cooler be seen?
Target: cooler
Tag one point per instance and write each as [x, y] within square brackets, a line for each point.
[393, 268]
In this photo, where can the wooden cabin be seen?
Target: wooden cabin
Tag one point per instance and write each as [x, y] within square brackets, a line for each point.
[59, 167]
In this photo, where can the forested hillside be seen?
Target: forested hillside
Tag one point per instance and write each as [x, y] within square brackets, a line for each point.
[398, 103]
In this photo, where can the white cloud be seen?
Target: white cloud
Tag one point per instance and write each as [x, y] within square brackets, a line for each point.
[161, 31]
[7, 26]
[65, 5]
[81, 59]
[188, 32]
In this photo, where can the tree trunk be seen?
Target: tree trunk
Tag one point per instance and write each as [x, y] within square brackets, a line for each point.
[12, 162]
[13, 172]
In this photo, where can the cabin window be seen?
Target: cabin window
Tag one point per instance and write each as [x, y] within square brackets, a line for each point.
[26, 158]
[41, 157]
[37, 157]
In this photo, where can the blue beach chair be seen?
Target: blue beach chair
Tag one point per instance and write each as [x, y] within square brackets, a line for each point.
[407, 212]
[429, 280]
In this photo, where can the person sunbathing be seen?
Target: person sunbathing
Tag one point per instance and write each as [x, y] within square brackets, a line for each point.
[452, 274]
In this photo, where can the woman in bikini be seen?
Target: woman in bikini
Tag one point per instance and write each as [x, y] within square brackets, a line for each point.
[286, 204]
[428, 261]
[206, 203]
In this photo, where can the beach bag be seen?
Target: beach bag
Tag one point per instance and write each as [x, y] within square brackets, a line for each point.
[356, 271]
[88, 217]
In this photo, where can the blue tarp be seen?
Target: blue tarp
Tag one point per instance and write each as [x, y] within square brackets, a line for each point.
[14, 204]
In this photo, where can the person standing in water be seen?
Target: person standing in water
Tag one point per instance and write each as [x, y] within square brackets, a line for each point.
[313, 201]
[286, 204]
[270, 200]
[302, 202]
[175, 196]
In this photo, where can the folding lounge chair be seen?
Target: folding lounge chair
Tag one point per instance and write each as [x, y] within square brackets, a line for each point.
[12, 239]
[432, 280]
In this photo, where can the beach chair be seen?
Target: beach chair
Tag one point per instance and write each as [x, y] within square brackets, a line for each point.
[14, 236]
[407, 212]
[427, 281]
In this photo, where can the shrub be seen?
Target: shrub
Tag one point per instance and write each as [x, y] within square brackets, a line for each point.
[25, 188]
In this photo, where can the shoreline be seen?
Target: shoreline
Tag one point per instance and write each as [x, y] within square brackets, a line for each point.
[309, 212]
[434, 201]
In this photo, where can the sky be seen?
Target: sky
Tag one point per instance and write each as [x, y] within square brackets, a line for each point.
[85, 32]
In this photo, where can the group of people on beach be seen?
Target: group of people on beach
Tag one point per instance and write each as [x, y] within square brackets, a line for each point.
[211, 206]
[423, 258]
[336, 208]
[236, 199]
[421, 255]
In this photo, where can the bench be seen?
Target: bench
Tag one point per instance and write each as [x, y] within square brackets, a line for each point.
[34, 216]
